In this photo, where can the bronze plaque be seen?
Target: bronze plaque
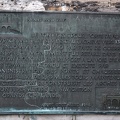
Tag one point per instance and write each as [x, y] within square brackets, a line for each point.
[59, 63]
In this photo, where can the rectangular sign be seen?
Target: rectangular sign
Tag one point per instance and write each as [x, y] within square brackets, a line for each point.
[59, 63]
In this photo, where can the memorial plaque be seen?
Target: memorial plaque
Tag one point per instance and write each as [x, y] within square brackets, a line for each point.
[59, 63]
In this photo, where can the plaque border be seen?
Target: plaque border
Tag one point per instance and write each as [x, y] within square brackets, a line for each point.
[11, 111]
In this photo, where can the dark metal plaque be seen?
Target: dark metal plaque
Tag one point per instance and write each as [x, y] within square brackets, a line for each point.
[59, 63]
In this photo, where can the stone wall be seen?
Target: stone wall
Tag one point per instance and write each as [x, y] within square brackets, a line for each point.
[49, 5]
[60, 117]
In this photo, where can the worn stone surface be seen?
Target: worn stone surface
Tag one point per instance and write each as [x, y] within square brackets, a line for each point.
[35, 5]
[19, 5]
[59, 117]
[61, 5]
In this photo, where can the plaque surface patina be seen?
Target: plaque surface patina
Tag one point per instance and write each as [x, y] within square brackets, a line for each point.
[59, 63]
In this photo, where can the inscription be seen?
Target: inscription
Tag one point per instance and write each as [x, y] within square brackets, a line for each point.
[46, 20]
[59, 61]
